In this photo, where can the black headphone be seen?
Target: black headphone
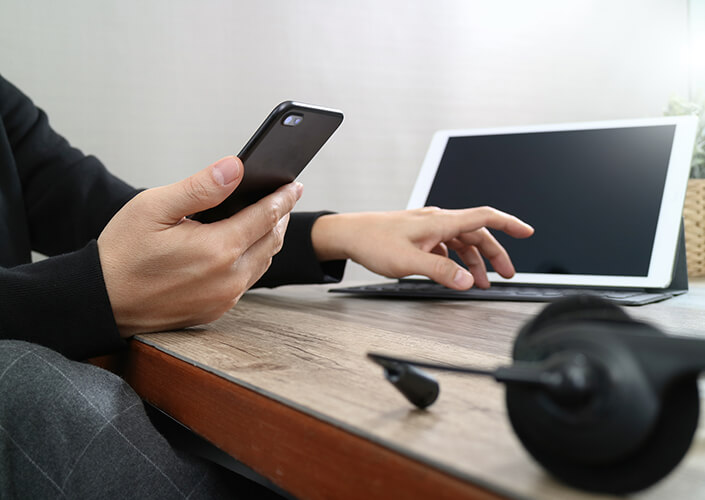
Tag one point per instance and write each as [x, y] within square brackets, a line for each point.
[603, 402]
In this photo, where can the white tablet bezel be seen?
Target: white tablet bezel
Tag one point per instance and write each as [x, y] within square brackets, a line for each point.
[669, 220]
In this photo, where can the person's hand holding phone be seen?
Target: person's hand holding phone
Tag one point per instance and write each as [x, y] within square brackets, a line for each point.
[163, 270]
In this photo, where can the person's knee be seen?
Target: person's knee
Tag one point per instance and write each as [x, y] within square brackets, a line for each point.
[51, 410]
[12, 350]
[22, 368]
[38, 383]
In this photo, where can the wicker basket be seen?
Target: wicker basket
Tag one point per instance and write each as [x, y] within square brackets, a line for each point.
[694, 215]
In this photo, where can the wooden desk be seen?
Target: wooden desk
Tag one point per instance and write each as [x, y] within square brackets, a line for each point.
[281, 383]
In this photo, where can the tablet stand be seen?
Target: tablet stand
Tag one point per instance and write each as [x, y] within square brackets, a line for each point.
[679, 277]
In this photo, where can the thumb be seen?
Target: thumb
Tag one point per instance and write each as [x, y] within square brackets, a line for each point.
[202, 190]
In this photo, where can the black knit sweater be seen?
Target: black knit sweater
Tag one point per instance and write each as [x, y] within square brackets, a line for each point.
[56, 200]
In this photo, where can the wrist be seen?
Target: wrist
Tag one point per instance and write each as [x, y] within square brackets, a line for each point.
[328, 237]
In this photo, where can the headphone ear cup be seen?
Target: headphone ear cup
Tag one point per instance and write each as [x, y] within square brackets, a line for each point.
[572, 308]
[658, 455]
[654, 445]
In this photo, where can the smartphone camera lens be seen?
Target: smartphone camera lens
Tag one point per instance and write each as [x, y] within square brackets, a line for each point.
[292, 120]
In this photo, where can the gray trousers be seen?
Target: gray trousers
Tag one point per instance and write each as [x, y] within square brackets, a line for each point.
[72, 430]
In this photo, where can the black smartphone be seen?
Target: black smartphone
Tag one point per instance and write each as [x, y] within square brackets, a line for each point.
[276, 154]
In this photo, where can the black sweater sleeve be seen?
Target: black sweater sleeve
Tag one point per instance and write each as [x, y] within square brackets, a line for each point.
[54, 200]
[60, 302]
[296, 263]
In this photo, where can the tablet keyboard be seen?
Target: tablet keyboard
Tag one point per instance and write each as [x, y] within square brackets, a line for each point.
[429, 289]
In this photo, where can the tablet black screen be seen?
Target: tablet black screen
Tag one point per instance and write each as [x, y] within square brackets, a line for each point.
[593, 196]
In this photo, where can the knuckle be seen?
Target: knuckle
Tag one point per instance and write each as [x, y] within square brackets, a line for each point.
[218, 253]
[196, 190]
[235, 249]
[430, 211]
[292, 198]
[279, 232]
[279, 243]
[273, 213]
[288, 199]
[220, 247]
[487, 213]
[262, 267]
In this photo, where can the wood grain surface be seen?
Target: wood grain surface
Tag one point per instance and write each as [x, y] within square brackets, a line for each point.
[302, 350]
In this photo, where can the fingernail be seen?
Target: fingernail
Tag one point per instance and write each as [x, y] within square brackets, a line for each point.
[299, 188]
[226, 171]
[463, 279]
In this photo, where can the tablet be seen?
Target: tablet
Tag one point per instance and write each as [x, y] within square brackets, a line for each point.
[605, 198]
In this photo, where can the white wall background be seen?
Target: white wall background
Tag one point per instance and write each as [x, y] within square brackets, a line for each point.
[160, 88]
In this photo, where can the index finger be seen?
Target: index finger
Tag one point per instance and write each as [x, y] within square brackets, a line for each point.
[471, 219]
[251, 223]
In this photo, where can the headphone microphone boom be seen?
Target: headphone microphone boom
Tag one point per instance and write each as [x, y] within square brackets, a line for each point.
[562, 376]
[603, 402]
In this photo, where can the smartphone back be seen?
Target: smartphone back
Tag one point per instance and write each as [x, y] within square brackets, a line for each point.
[279, 150]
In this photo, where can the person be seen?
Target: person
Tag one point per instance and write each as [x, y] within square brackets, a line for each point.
[123, 261]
